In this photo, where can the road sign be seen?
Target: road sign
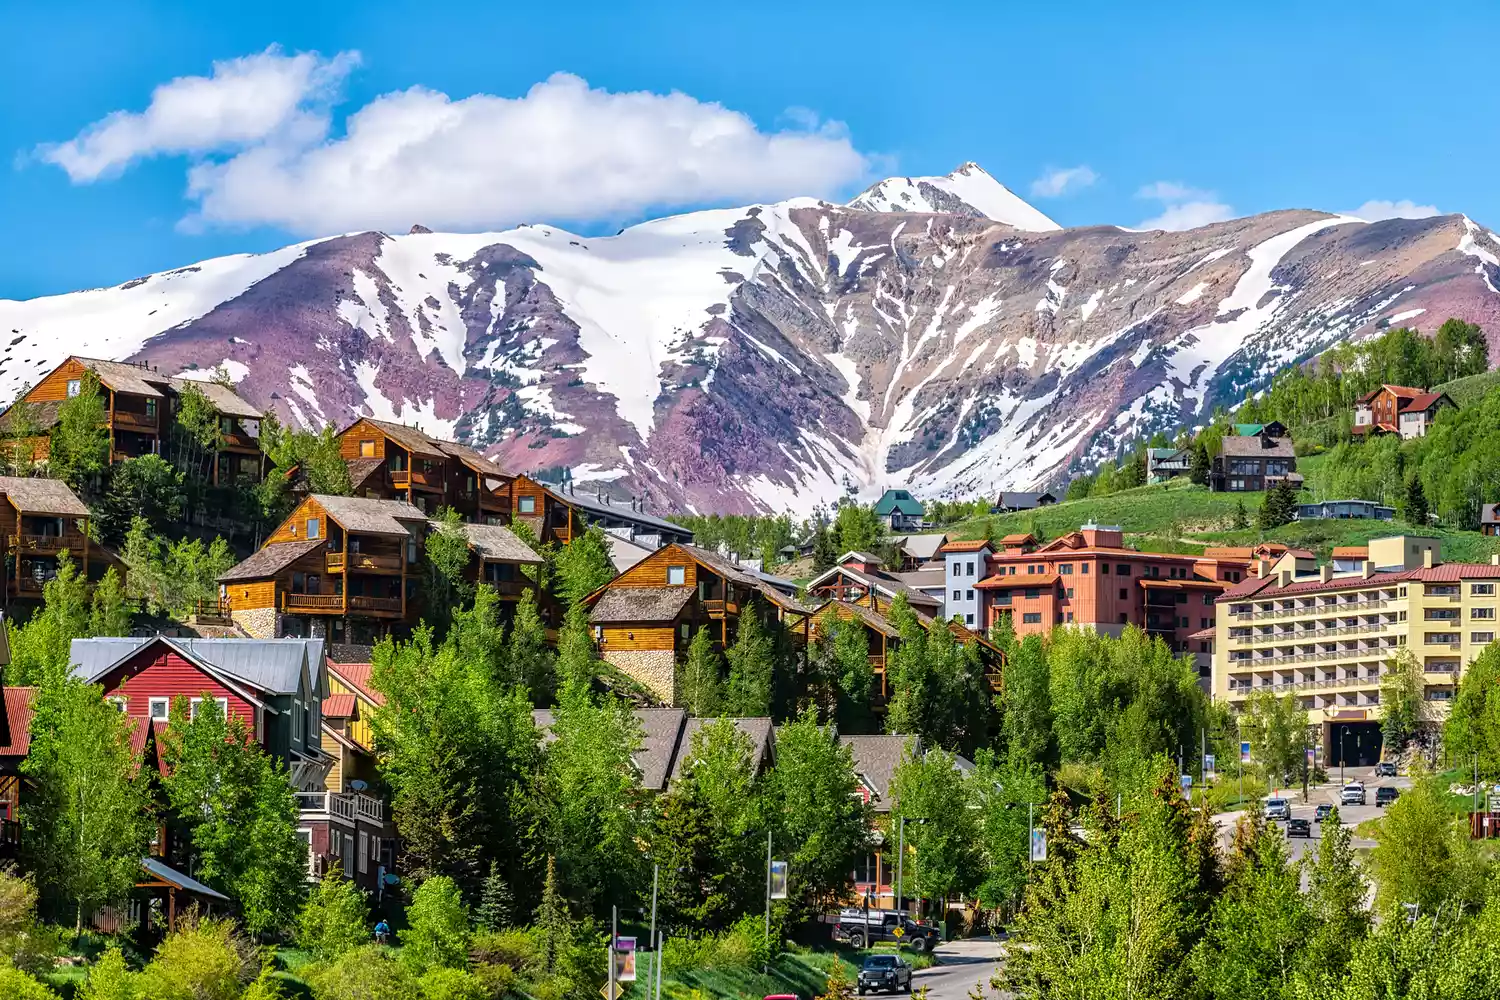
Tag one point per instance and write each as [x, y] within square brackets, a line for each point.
[898, 932]
[1492, 802]
[619, 991]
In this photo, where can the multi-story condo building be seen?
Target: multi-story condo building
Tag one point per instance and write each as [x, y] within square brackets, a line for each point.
[1089, 579]
[1327, 633]
[39, 520]
[140, 408]
[1254, 462]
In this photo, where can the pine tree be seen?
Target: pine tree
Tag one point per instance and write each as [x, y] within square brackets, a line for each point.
[495, 901]
[752, 665]
[1415, 508]
[1202, 464]
[552, 919]
[577, 656]
[856, 677]
[529, 659]
[825, 548]
[109, 616]
[702, 684]
[1241, 516]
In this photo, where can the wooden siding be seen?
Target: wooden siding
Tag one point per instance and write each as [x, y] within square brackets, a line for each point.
[652, 570]
[635, 638]
[294, 528]
[55, 385]
[359, 729]
[333, 748]
[362, 430]
[254, 594]
[160, 673]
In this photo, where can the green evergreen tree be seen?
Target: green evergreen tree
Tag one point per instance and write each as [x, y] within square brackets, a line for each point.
[109, 615]
[1241, 519]
[577, 656]
[552, 919]
[1202, 464]
[144, 487]
[702, 676]
[1472, 731]
[496, 902]
[528, 656]
[752, 664]
[1414, 509]
[583, 566]
[825, 548]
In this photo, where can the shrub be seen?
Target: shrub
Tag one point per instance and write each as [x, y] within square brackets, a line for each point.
[334, 919]
[17, 985]
[109, 979]
[515, 948]
[439, 931]
[451, 984]
[366, 973]
[204, 960]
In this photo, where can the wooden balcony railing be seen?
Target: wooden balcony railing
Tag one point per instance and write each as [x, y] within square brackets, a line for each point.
[238, 440]
[49, 543]
[720, 608]
[369, 560]
[360, 603]
[312, 602]
[129, 418]
[400, 477]
[508, 588]
[209, 612]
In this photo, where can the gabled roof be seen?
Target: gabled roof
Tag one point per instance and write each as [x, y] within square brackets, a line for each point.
[361, 470]
[1252, 447]
[924, 579]
[624, 605]
[898, 502]
[367, 516]
[1426, 401]
[661, 730]
[42, 496]
[356, 676]
[468, 456]
[920, 546]
[18, 706]
[875, 761]
[267, 666]
[410, 438]
[496, 542]
[1015, 498]
[221, 397]
[619, 511]
[881, 582]
[340, 706]
[270, 559]
[121, 376]
[171, 876]
[758, 729]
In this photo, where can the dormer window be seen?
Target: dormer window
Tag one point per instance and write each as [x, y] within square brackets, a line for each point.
[367, 449]
[526, 505]
[312, 527]
[75, 386]
[676, 576]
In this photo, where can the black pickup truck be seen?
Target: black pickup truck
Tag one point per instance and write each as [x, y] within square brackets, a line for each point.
[862, 928]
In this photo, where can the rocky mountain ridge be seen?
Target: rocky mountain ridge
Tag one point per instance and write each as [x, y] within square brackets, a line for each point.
[936, 333]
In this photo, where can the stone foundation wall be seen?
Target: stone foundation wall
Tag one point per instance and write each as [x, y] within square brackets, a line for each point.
[262, 623]
[656, 670]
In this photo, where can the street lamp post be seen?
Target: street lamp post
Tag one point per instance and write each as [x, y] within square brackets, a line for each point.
[901, 860]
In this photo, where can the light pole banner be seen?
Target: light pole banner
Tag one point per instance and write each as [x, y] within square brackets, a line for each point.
[1208, 766]
[778, 879]
[625, 960]
[1245, 752]
[1038, 844]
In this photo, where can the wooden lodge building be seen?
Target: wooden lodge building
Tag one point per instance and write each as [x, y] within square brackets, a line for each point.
[140, 406]
[389, 461]
[39, 520]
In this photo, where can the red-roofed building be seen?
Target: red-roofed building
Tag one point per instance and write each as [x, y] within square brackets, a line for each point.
[1090, 579]
[1398, 409]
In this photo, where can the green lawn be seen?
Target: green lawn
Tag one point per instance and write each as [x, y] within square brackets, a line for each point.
[1467, 391]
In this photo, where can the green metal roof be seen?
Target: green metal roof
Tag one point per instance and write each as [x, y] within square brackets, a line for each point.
[898, 502]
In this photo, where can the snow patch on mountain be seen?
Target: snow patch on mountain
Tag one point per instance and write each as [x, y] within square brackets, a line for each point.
[968, 186]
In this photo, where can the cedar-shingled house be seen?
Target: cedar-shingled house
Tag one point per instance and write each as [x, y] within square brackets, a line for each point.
[645, 618]
[39, 520]
[560, 513]
[391, 461]
[1253, 463]
[860, 578]
[341, 568]
[140, 406]
[499, 557]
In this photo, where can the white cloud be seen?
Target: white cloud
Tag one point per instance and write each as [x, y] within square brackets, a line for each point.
[1183, 207]
[563, 151]
[1058, 181]
[1374, 211]
[248, 100]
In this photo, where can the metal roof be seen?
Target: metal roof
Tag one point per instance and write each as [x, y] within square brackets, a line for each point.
[173, 877]
[274, 666]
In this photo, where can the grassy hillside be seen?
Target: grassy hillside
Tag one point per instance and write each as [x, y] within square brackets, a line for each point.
[1466, 391]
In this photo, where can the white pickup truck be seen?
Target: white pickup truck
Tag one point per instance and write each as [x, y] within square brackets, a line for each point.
[1352, 794]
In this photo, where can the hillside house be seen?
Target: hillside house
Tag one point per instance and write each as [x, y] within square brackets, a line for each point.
[1345, 509]
[964, 566]
[499, 558]
[560, 513]
[899, 510]
[1010, 502]
[1398, 409]
[915, 551]
[1250, 464]
[348, 738]
[391, 461]
[39, 520]
[140, 410]
[1163, 464]
[341, 568]
[860, 578]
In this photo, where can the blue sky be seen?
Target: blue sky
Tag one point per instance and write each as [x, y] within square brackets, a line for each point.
[1248, 109]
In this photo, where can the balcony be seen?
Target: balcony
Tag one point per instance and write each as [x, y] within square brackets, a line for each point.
[130, 419]
[432, 480]
[378, 563]
[342, 806]
[720, 608]
[508, 588]
[1338, 608]
[384, 604]
[239, 439]
[49, 543]
[312, 602]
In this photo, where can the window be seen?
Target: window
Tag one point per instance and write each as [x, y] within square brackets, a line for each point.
[1203, 647]
[526, 505]
[1124, 618]
[150, 409]
[970, 569]
[348, 851]
[194, 703]
[1104, 568]
[683, 631]
[118, 700]
[1083, 568]
[1066, 569]
[75, 386]
[1070, 592]
[367, 449]
[1123, 569]
[1070, 616]
[297, 719]
[1482, 590]
[956, 593]
[1482, 637]
[1207, 622]
[364, 852]
[1488, 613]
[1156, 571]
[676, 576]
[1124, 594]
[1182, 623]
[1033, 592]
[160, 708]
[968, 619]
[1181, 597]
[312, 527]
[1032, 618]
[971, 595]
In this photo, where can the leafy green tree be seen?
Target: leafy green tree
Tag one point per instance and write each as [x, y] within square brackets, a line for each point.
[1403, 705]
[938, 690]
[1202, 464]
[109, 614]
[17, 985]
[40, 649]
[752, 664]
[705, 838]
[1472, 731]
[335, 918]
[812, 802]
[1026, 726]
[144, 487]
[702, 676]
[943, 859]
[1336, 890]
[367, 973]
[529, 658]
[86, 815]
[583, 566]
[1423, 855]
[457, 750]
[1004, 795]
[594, 818]
[577, 657]
[496, 902]
[553, 922]
[239, 812]
[203, 960]
[110, 978]
[1461, 349]
[172, 577]
[317, 457]
[79, 447]
[858, 529]
[1277, 731]
[444, 585]
[439, 933]
[856, 678]
[193, 439]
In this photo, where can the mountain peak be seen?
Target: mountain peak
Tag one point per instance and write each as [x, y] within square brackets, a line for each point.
[969, 190]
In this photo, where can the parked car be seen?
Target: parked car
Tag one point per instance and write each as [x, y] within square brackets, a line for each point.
[1385, 795]
[1322, 811]
[1385, 769]
[1298, 828]
[884, 972]
[1278, 809]
[861, 928]
[1352, 794]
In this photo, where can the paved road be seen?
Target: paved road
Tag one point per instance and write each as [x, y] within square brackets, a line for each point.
[1350, 816]
[960, 965]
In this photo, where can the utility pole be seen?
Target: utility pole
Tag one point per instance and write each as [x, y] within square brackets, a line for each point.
[768, 897]
[614, 936]
[900, 867]
[655, 874]
[660, 954]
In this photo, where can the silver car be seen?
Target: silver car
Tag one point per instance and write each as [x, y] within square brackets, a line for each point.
[1278, 809]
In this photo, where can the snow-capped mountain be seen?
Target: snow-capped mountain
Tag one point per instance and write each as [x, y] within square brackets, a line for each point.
[936, 333]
